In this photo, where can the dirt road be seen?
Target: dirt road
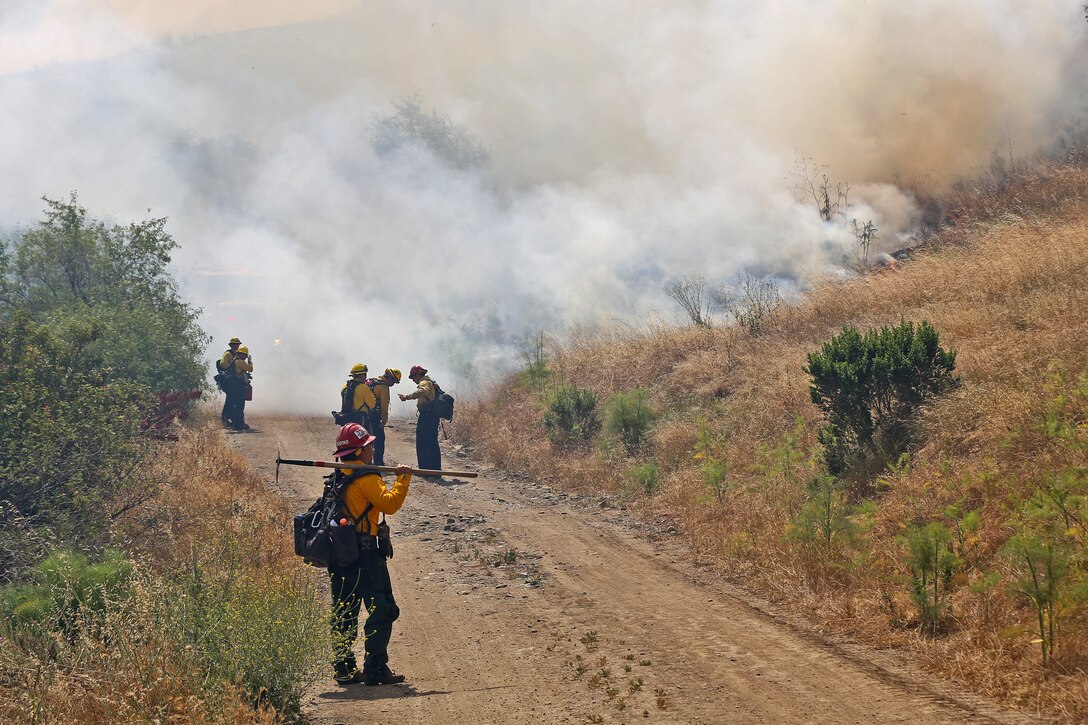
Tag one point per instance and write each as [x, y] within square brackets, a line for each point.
[523, 605]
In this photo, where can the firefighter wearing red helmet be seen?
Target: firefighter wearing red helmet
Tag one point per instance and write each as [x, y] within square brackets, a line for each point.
[365, 584]
[427, 451]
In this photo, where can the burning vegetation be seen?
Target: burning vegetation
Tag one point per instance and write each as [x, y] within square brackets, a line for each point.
[952, 527]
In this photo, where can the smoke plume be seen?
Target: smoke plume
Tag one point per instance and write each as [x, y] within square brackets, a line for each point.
[630, 144]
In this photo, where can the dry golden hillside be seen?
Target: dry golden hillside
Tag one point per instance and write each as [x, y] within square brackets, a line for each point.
[733, 450]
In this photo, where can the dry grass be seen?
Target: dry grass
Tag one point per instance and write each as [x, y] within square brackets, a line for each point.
[217, 624]
[210, 502]
[1005, 286]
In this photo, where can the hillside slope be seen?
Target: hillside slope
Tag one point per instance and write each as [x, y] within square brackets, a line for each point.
[733, 451]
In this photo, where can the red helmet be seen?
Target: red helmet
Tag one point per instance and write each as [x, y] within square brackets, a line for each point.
[352, 437]
[417, 370]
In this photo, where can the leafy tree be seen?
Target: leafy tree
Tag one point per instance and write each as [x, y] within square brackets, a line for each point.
[536, 373]
[823, 524]
[716, 475]
[410, 126]
[109, 287]
[870, 387]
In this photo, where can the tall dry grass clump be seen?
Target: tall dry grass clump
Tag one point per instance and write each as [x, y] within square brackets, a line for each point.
[203, 616]
[997, 479]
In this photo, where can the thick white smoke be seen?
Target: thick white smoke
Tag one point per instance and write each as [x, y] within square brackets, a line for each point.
[631, 143]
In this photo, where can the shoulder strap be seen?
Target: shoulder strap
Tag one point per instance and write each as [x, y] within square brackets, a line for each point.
[339, 484]
[347, 397]
[362, 516]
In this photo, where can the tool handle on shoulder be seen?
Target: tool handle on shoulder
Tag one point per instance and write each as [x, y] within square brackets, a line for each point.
[371, 467]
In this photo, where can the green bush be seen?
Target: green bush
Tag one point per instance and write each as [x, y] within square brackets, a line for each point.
[823, 524]
[212, 631]
[870, 387]
[716, 475]
[630, 418]
[271, 634]
[64, 589]
[572, 415]
[932, 563]
[646, 477]
[108, 286]
[72, 445]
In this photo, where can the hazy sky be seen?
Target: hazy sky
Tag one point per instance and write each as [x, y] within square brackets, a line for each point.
[631, 143]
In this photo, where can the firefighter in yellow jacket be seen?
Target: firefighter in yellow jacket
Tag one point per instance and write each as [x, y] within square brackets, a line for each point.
[365, 584]
[226, 362]
[428, 453]
[238, 368]
[356, 398]
[379, 417]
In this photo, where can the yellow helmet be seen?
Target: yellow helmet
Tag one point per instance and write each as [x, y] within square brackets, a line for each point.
[234, 341]
[358, 369]
[393, 373]
[243, 350]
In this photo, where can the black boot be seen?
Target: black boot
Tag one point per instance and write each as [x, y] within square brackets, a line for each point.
[385, 676]
[348, 675]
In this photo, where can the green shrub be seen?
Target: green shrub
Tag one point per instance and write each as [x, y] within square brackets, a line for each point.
[646, 477]
[630, 418]
[72, 445]
[109, 287]
[65, 588]
[572, 415]
[215, 633]
[932, 563]
[536, 374]
[823, 524]
[870, 388]
[715, 473]
[269, 634]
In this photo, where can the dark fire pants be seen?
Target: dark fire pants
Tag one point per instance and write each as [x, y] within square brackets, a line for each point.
[236, 402]
[378, 431]
[366, 585]
[427, 451]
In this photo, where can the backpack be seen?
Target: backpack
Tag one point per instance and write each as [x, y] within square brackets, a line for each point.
[319, 538]
[443, 403]
[347, 414]
[222, 374]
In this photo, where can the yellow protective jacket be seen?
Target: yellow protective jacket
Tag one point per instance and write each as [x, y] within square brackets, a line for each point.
[424, 394]
[370, 488]
[236, 365]
[363, 399]
[381, 393]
